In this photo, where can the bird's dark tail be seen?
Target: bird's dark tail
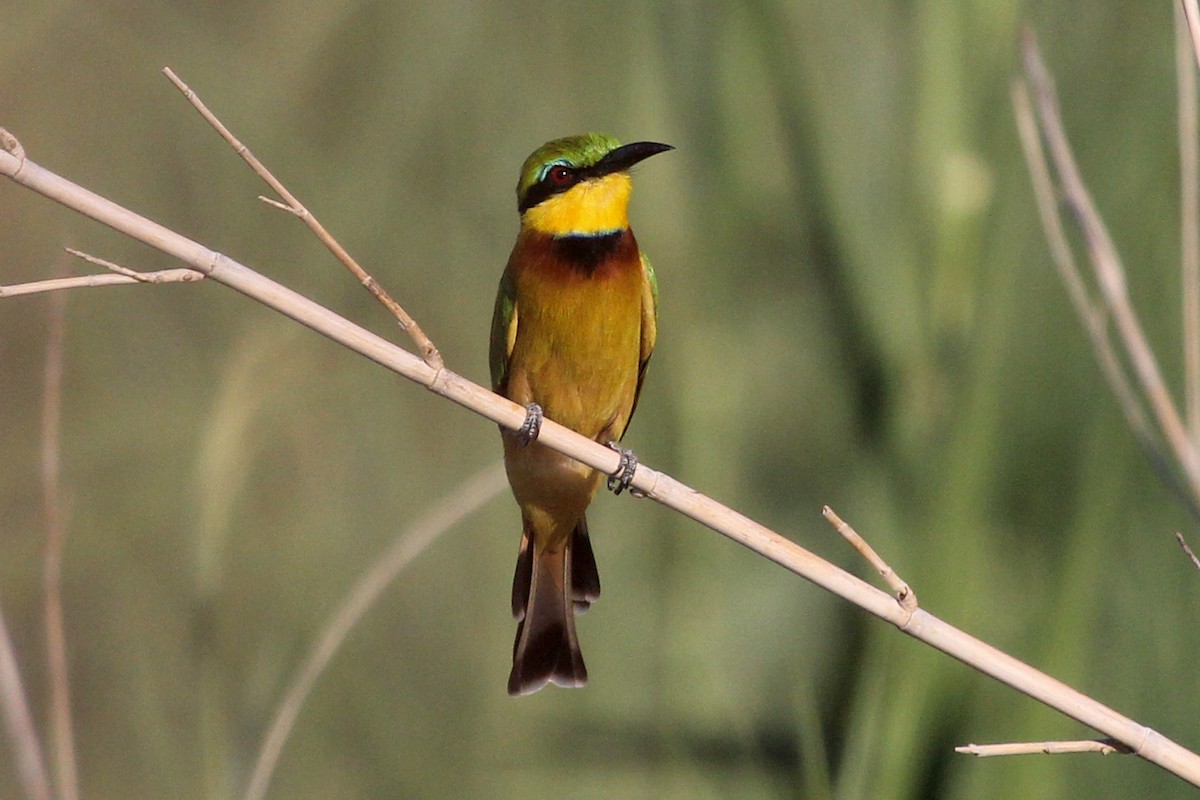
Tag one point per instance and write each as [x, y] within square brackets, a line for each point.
[546, 648]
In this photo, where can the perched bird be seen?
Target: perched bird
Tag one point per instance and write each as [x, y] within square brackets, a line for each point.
[574, 325]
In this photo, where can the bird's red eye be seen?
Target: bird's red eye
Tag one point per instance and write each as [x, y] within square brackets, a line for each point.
[560, 175]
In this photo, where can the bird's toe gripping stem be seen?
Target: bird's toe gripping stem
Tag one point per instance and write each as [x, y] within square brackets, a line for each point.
[620, 480]
[532, 425]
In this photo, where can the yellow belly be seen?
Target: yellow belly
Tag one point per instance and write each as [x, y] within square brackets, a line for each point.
[576, 355]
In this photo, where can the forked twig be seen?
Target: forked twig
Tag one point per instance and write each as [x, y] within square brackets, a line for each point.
[161, 276]
[118, 276]
[407, 324]
[100, 279]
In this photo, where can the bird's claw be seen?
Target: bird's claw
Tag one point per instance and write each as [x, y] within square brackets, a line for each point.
[532, 425]
[620, 480]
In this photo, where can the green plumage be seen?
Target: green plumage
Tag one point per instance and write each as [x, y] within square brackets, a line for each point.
[580, 151]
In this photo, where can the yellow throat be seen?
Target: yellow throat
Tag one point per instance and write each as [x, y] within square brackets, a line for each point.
[595, 206]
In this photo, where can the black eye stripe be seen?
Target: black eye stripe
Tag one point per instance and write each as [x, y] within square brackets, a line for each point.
[548, 186]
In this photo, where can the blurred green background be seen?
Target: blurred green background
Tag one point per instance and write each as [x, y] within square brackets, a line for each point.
[858, 309]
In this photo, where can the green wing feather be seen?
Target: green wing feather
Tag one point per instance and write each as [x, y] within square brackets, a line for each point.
[504, 330]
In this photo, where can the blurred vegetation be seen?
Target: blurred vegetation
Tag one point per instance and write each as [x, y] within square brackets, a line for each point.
[858, 309]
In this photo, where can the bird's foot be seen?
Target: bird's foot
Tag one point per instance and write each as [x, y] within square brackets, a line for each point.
[620, 480]
[532, 425]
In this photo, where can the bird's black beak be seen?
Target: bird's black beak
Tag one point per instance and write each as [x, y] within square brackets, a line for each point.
[626, 156]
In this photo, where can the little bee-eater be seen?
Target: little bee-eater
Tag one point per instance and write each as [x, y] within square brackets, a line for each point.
[574, 325]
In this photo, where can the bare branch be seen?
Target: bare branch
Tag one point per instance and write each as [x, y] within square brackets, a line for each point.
[1102, 746]
[904, 594]
[409, 325]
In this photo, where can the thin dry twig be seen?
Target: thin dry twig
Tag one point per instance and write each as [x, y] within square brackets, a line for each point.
[1102, 746]
[1145, 742]
[904, 594]
[1183, 543]
[407, 324]
[62, 735]
[454, 507]
[117, 276]
[27, 751]
[113, 279]
[1189, 215]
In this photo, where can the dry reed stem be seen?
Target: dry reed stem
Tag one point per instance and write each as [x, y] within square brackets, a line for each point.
[468, 498]
[409, 325]
[1092, 315]
[658, 486]
[1191, 15]
[1105, 262]
[27, 751]
[1189, 217]
[1102, 746]
[62, 736]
